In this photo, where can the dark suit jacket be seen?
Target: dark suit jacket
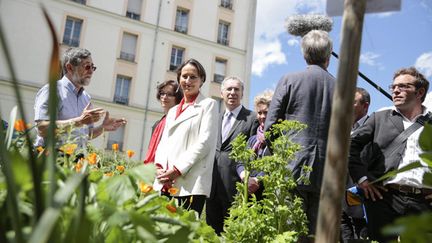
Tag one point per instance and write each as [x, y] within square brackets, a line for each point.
[306, 97]
[380, 129]
[224, 171]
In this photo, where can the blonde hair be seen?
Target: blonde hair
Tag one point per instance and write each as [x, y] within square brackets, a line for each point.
[263, 98]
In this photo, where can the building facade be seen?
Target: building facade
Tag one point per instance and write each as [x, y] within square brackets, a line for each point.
[135, 45]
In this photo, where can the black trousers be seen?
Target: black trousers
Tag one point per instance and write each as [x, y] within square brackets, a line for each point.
[394, 204]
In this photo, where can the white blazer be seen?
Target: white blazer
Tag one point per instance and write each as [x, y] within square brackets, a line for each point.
[189, 144]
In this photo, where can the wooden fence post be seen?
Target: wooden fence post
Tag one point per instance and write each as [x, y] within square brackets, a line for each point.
[335, 171]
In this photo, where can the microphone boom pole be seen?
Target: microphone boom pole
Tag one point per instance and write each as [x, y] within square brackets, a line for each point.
[376, 86]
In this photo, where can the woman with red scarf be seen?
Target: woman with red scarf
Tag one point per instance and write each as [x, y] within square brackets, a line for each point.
[168, 94]
[186, 152]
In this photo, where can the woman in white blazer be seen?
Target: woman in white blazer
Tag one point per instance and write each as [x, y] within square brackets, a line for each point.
[185, 155]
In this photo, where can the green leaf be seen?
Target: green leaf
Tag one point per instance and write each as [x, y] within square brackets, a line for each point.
[427, 179]
[116, 190]
[21, 170]
[95, 176]
[145, 173]
[425, 139]
[427, 158]
[393, 173]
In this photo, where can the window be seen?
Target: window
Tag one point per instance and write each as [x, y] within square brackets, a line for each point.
[116, 137]
[176, 57]
[223, 33]
[181, 24]
[128, 47]
[80, 1]
[72, 33]
[134, 9]
[220, 70]
[121, 95]
[226, 4]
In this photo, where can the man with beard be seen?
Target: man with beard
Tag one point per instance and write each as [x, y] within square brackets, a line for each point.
[74, 108]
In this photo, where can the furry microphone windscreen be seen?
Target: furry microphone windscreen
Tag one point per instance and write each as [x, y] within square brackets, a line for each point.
[300, 25]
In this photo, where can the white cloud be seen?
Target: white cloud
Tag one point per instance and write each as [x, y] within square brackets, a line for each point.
[370, 58]
[293, 42]
[270, 19]
[266, 53]
[424, 64]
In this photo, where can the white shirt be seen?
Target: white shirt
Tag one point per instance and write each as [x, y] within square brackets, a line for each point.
[235, 113]
[413, 177]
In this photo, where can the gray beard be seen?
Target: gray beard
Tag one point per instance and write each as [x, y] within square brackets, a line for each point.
[80, 81]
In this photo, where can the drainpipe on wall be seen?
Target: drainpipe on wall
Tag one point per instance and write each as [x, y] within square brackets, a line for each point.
[249, 47]
[150, 78]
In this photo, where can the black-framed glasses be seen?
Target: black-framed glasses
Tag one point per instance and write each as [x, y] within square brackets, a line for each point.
[166, 94]
[90, 66]
[401, 87]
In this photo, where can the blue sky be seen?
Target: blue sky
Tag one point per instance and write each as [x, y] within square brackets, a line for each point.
[390, 41]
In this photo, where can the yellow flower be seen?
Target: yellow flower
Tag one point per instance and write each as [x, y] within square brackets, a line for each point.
[68, 148]
[130, 153]
[78, 166]
[109, 174]
[120, 168]
[190, 200]
[92, 158]
[40, 149]
[115, 146]
[145, 188]
[171, 208]
[172, 191]
[19, 125]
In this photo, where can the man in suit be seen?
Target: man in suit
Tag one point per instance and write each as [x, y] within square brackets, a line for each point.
[306, 97]
[403, 194]
[236, 119]
[353, 222]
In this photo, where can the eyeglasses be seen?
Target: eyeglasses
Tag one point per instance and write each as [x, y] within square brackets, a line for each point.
[402, 87]
[166, 94]
[90, 66]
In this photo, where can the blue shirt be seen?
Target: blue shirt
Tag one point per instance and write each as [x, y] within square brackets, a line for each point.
[71, 103]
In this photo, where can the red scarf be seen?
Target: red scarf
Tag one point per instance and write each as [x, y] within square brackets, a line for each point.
[154, 141]
[180, 106]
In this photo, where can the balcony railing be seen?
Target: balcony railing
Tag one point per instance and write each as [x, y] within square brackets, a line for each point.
[181, 29]
[223, 41]
[226, 4]
[121, 100]
[80, 1]
[127, 56]
[218, 78]
[71, 41]
[133, 15]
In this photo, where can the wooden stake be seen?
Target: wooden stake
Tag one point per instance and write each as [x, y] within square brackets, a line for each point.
[335, 171]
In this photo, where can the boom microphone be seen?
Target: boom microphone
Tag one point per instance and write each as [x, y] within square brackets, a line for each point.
[300, 25]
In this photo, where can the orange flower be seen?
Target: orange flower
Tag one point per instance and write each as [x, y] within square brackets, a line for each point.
[108, 174]
[120, 168]
[171, 208]
[172, 191]
[115, 147]
[92, 158]
[68, 148]
[78, 166]
[19, 125]
[130, 153]
[40, 149]
[145, 188]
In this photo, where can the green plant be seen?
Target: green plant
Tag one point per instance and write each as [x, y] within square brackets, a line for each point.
[47, 195]
[279, 216]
